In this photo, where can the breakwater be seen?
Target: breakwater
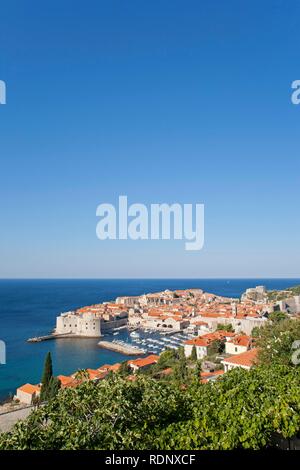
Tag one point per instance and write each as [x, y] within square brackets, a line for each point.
[121, 348]
[38, 339]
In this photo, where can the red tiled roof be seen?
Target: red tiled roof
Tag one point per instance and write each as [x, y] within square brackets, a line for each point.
[205, 340]
[147, 361]
[205, 376]
[198, 341]
[65, 380]
[109, 367]
[96, 374]
[212, 374]
[29, 388]
[247, 358]
[241, 340]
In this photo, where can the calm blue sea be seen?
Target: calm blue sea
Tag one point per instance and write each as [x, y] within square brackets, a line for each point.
[29, 308]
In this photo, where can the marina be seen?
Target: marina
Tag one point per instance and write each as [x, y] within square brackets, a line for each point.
[143, 341]
[44, 299]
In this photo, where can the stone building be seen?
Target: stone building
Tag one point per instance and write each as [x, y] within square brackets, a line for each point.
[83, 324]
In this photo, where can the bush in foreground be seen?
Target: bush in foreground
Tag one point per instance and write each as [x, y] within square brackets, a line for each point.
[242, 410]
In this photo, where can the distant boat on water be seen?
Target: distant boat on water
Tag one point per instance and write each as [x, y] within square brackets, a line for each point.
[134, 334]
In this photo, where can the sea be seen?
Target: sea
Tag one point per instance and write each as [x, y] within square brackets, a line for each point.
[29, 308]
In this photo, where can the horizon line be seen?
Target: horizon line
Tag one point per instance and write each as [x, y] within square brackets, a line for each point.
[140, 278]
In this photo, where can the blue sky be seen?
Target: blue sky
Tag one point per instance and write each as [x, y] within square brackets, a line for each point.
[163, 101]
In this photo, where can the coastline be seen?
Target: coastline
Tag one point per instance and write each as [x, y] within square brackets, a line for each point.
[45, 298]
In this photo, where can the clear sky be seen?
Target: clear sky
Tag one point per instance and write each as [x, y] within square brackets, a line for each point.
[163, 101]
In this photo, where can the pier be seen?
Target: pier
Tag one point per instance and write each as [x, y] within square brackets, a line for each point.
[121, 348]
[38, 339]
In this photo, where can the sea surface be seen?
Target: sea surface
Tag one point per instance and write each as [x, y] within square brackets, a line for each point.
[29, 308]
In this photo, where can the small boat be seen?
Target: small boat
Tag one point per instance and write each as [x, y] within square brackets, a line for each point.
[134, 334]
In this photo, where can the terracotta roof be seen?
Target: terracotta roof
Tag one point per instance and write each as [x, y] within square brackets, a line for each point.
[29, 388]
[205, 340]
[96, 374]
[206, 376]
[65, 380]
[241, 340]
[198, 341]
[110, 367]
[246, 358]
[147, 361]
[212, 374]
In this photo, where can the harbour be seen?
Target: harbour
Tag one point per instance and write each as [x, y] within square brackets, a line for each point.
[28, 308]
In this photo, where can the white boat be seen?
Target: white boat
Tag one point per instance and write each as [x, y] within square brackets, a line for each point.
[134, 334]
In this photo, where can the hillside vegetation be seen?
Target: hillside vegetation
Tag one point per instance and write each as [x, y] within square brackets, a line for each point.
[274, 295]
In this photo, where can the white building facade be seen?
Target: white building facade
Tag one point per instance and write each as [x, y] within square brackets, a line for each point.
[84, 324]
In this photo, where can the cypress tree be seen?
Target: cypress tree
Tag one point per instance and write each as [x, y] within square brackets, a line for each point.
[194, 354]
[54, 386]
[180, 370]
[46, 378]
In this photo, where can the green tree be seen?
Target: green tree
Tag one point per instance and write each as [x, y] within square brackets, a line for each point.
[82, 375]
[124, 369]
[198, 370]
[275, 342]
[227, 327]
[194, 354]
[255, 332]
[242, 410]
[54, 386]
[216, 347]
[46, 377]
[277, 316]
[180, 369]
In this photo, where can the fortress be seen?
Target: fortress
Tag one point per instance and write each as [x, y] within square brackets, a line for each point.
[91, 321]
[86, 324]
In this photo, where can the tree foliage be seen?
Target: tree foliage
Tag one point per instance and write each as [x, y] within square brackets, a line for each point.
[242, 410]
[50, 385]
[194, 354]
[275, 342]
[277, 316]
[225, 327]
